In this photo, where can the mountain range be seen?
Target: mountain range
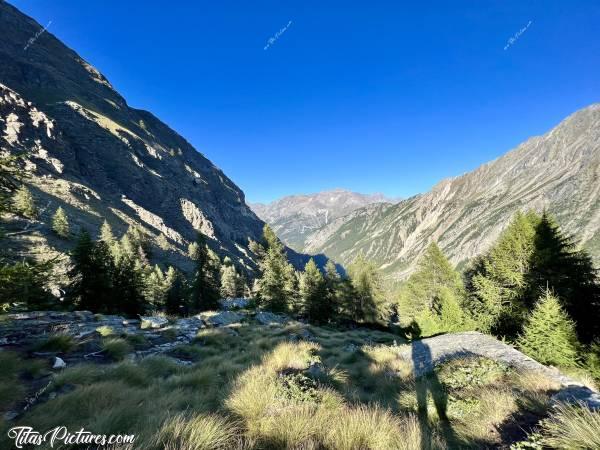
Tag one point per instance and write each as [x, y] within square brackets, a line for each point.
[98, 158]
[559, 171]
[294, 218]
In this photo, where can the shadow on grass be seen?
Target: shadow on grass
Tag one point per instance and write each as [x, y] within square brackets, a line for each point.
[423, 364]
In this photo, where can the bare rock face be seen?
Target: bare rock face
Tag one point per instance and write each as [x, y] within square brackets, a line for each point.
[559, 171]
[98, 158]
[296, 217]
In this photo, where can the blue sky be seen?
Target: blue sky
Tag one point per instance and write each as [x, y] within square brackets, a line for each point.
[371, 96]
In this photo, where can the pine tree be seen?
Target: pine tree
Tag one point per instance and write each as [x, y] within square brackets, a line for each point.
[162, 242]
[127, 287]
[549, 334]
[24, 203]
[60, 223]
[313, 294]
[155, 288]
[106, 234]
[230, 283]
[193, 250]
[176, 293]
[569, 273]
[333, 287]
[434, 273]
[276, 286]
[205, 292]
[91, 276]
[498, 281]
[367, 304]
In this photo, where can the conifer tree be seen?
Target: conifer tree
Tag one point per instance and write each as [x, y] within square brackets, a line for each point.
[193, 250]
[24, 203]
[230, 282]
[162, 242]
[60, 223]
[176, 293]
[155, 287]
[91, 276]
[333, 287]
[313, 294]
[569, 273]
[434, 274]
[276, 286]
[497, 282]
[367, 304]
[127, 286]
[549, 334]
[106, 234]
[205, 292]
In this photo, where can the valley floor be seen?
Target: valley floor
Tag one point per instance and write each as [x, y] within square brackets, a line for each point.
[246, 380]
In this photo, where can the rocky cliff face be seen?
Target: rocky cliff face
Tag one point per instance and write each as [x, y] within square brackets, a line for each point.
[559, 171]
[294, 218]
[98, 158]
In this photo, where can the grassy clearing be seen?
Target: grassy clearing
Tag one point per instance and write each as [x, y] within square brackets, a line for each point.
[256, 387]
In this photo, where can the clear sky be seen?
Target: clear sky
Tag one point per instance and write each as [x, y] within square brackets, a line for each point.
[371, 96]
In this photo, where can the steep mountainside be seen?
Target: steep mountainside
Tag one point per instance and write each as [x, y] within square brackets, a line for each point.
[559, 171]
[98, 158]
[294, 218]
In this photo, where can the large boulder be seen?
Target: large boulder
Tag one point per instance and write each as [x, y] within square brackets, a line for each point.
[269, 318]
[220, 319]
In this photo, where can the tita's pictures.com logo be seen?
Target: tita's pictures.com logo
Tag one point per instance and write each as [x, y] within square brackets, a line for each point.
[59, 436]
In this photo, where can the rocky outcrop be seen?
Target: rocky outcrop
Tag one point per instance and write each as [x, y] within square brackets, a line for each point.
[425, 354]
[559, 171]
[80, 136]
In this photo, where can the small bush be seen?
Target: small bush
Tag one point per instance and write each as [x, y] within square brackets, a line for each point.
[116, 348]
[56, 343]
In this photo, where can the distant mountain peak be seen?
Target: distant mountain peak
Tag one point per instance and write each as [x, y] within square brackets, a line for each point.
[295, 217]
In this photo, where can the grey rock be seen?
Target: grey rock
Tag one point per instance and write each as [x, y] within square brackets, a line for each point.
[153, 322]
[59, 363]
[269, 318]
[221, 318]
[233, 303]
[425, 354]
[10, 415]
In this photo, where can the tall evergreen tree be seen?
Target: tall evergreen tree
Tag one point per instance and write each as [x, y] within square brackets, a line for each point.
[205, 292]
[276, 286]
[549, 334]
[230, 280]
[333, 287]
[91, 275]
[368, 302]
[434, 274]
[176, 293]
[569, 273]
[313, 294]
[60, 223]
[155, 288]
[127, 286]
[497, 282]
[24, 204]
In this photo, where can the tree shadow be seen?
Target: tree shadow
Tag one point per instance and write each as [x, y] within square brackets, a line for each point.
[427, 381]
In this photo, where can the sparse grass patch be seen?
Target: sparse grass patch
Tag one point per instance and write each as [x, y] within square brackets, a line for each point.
[11, 389]
[572, 427]
[116, 348]
[56, 343]
[202, 432]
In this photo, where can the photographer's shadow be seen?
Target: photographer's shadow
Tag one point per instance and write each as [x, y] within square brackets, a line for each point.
[426, 380]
